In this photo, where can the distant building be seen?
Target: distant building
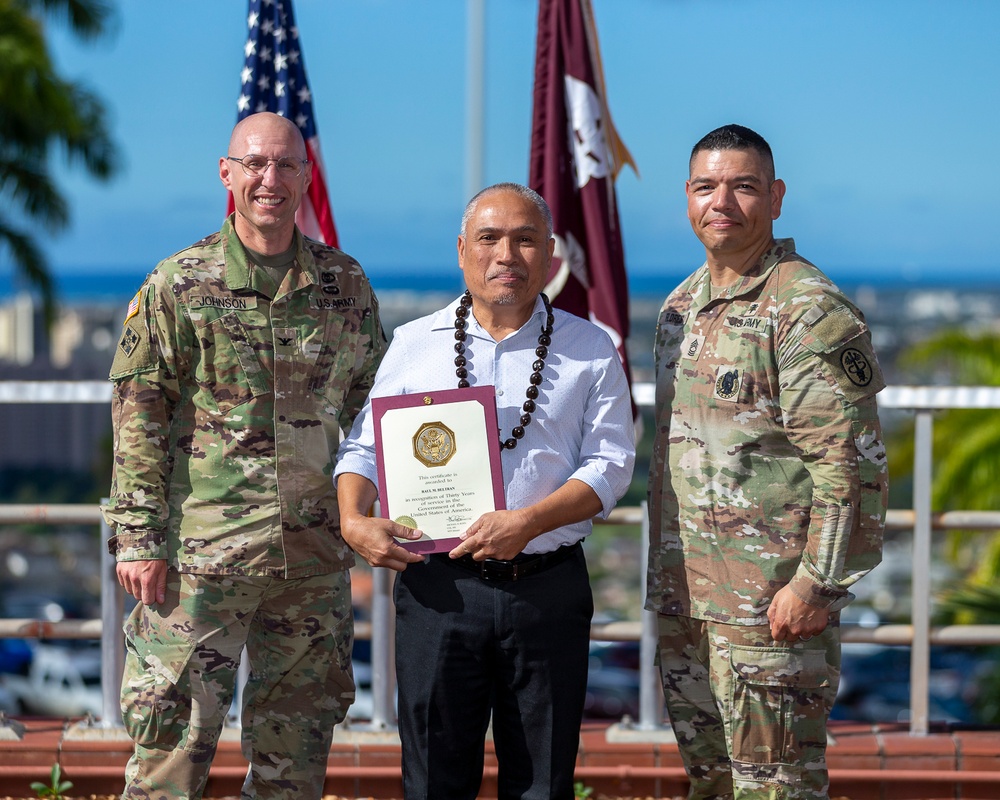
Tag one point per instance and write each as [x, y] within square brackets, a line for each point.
[22, 334]
[80, 347]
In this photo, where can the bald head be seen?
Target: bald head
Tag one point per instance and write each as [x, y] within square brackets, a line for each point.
[267, 125]
[267, 194]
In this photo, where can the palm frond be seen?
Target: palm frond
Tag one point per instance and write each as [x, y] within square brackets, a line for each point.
[982, 602]
[31, 263]
[88, 19]
[29, 186]
[42, 114]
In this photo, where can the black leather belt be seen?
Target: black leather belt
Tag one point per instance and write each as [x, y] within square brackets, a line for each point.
[520, 567]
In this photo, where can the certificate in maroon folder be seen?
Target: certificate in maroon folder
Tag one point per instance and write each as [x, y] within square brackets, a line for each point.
[438, 458]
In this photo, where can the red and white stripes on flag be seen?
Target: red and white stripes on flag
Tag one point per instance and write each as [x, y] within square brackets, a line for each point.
[575, 157]
[274, 79]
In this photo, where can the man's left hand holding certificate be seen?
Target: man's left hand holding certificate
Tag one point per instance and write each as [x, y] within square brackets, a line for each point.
[438, 462]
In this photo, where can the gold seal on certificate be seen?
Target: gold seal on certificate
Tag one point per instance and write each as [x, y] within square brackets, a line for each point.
[438, 459]
[434, 444]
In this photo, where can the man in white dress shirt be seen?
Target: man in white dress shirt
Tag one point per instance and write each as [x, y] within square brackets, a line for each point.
[501, 624]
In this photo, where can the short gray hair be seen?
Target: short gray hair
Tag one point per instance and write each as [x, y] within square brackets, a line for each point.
[521, 191]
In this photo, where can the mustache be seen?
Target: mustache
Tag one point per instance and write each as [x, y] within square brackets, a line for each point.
[517, 272]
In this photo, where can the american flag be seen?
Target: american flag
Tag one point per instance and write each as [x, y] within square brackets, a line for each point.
[274, 79]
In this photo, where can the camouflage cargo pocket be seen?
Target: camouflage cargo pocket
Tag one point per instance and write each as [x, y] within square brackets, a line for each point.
[778, 709]
[229, 368]
[156, 691]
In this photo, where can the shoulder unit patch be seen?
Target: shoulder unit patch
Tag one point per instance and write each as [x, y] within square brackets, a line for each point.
[856, 366]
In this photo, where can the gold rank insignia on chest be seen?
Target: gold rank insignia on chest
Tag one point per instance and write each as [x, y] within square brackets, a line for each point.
[728, 380]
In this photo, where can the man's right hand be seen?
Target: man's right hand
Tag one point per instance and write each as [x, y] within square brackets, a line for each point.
[371, 537]
[374, 539]
[146, 581]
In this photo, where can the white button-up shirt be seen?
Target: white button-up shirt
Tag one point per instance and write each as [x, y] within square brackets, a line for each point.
[581, 427]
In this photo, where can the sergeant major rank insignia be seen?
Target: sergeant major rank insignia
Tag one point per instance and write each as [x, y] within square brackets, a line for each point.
[727, 383]
[691, 346]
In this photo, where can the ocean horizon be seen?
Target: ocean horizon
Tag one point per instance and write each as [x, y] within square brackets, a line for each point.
[115, 285]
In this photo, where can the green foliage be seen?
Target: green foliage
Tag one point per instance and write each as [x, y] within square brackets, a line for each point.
[966, 443]
[581, 792]
[45, 485]
[966, 458]
[988, 697]
[56, 787]
[955, 356]
[973, 603]
[41, 114]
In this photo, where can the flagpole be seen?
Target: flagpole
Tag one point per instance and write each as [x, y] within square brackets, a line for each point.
[474, 92]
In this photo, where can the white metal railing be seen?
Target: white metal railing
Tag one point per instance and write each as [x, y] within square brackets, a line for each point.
[923, 401]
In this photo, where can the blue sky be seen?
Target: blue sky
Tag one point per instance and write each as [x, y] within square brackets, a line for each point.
[876, 111]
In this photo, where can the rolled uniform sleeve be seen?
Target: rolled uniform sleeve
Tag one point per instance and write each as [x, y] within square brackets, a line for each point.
[144, 395]
[829, 377]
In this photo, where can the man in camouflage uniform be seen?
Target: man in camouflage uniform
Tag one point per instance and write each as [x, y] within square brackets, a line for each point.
[767, 487]
[241, 360]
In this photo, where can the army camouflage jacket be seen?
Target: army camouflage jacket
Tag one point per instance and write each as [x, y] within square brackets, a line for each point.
[768, 465]
[230, 395]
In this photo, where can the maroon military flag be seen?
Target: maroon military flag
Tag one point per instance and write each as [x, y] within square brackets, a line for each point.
[274, 79]
[575, 157]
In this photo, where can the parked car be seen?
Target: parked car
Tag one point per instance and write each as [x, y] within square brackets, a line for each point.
[875, 683]
[15, 656]
[612, 681]
[364, 702]
[61, 681]
[8, 703]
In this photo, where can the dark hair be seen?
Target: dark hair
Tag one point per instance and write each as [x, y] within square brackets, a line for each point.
[735, 137]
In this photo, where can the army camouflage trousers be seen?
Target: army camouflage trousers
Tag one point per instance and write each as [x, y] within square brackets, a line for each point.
[749, 713]
[181, 663]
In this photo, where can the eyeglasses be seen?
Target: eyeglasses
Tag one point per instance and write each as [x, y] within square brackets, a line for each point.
[256, 166]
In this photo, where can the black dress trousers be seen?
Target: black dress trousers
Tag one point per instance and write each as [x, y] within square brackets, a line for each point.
[468, 648]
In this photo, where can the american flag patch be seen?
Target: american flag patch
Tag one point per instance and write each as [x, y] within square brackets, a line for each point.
[133, 307]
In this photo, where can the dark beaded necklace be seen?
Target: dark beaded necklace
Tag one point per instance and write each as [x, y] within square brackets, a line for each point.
[544, 340]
